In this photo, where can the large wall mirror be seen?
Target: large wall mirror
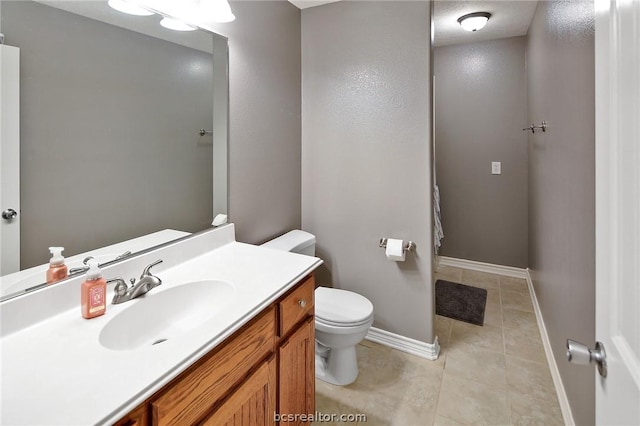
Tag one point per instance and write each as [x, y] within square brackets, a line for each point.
[122, 132]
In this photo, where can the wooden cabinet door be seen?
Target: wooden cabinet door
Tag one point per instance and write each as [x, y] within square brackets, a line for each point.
[297, 305]
[297, 372]
[199, 389]
[251, 404]
[138, 417]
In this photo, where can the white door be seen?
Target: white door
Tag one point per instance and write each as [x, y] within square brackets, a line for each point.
[9, 159]
[618, 209]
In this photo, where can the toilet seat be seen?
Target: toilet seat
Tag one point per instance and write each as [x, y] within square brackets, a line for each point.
[341, 324]
[341, 308]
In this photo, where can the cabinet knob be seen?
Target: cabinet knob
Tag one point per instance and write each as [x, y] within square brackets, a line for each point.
[302, 303]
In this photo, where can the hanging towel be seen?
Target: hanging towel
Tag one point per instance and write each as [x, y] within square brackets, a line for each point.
[438, 233]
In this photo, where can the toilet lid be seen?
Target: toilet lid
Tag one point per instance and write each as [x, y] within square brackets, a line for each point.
[341, 306]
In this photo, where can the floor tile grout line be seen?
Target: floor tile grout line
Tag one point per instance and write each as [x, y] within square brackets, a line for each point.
[435, 414]
[544, 364]
[504, 346]
[482, 348]
[447, 417]
[490, 386]
[504, 343]
[520, 310]
[506, 376]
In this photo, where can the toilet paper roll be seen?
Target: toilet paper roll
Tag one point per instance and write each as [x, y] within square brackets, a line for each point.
[395, 250]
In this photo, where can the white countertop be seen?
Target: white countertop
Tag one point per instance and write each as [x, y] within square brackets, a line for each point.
[56, 372]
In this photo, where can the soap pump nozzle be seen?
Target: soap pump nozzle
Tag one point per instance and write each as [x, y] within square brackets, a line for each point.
[56, 256]
[94, 272]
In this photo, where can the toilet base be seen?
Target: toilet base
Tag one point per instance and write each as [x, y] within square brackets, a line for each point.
[337, 366]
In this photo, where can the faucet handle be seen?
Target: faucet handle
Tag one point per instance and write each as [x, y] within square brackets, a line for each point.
[120, 290]
[123, 255]
[121, 286]
[146, 272]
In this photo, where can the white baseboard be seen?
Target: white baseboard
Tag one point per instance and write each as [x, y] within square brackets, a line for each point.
[507, 271]
[551, 361]
[405, 344]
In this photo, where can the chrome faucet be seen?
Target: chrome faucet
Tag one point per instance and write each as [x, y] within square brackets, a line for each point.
[84, 268]
[147, 281]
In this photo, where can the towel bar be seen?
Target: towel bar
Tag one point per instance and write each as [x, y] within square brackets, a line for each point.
[533, 127]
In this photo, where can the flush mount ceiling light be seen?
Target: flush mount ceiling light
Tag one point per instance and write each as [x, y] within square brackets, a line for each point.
[474, 21]
[126, 7]
[176, 25]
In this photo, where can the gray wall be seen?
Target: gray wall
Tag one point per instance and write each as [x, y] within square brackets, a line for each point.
[264, 133]
[480, 110]
[366, 153]
[109, 148]
[561, 185]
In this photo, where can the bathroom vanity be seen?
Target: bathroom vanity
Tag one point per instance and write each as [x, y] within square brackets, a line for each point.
[266, 367]
[227, 337]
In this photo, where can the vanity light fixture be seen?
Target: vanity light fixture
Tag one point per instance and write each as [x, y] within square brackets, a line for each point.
[176, 25]
[217, 10]
[474, 21]
[130, 8]
[192, 11]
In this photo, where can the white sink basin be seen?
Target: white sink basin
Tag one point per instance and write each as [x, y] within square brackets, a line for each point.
[158, 317]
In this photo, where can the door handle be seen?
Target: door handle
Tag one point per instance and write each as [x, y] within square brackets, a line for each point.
[9, 214]
[580, 354]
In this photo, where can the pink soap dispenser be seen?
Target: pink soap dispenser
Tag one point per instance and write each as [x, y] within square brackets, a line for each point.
[94, 292]
[57, 269]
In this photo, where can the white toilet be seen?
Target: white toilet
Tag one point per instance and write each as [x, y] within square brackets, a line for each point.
[342, 318]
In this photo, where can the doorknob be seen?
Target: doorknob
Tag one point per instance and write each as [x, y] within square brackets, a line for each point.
[580, 354]
[9, 214]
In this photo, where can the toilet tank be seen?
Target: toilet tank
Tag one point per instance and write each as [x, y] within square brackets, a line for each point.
[295, 241]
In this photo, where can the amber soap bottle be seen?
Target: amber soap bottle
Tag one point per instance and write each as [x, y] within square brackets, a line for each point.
[94, 292]
[57, 269]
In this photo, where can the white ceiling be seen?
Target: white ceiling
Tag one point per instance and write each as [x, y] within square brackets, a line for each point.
[303, 4]
[509, 18]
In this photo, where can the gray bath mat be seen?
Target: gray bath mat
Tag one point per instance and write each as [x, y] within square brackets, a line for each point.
[461, 302]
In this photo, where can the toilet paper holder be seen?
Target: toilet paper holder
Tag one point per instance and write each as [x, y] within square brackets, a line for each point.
[406, 246]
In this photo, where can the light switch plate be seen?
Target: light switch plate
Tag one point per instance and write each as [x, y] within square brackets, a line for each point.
[496, 168]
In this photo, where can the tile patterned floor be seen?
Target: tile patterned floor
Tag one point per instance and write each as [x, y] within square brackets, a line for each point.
[491, 375]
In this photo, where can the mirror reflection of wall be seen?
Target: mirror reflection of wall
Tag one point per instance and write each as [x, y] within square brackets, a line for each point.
[110, 148]
[480, 103]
